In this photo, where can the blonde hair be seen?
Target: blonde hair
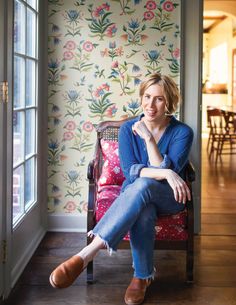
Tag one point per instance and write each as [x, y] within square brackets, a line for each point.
[170, 90]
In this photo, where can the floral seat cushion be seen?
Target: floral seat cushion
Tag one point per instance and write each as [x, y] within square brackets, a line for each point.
[168, 227]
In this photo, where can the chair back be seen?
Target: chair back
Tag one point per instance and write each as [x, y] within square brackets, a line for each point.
[215, 120]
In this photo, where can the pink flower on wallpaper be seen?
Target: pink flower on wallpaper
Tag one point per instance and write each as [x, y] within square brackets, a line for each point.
[100, 90]
[70, 125]
[112, 111]
[100, 9]
[68, 55]
[88, 46]
[148, 15]
[151, 5]
[111, 30]
[105, 52]
[168, 6]
[68, 135]
[105, 86]
[106, 6]
[70, 207]
[176, 53]
[63, 157]
[119, 51]
[114, 64]
[70, 45]
[88, 126]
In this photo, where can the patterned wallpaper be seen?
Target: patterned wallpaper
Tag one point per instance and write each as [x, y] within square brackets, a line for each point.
[99, 51]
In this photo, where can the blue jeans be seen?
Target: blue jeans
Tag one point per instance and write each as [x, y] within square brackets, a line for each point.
[136, 210]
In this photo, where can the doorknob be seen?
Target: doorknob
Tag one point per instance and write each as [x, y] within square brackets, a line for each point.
[4, 92]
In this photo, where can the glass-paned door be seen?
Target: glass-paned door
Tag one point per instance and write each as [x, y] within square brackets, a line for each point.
[3, 109]
[22, 205]
[25, 108]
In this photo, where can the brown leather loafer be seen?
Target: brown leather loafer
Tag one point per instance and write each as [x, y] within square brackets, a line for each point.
[136, 291]
[66, 273]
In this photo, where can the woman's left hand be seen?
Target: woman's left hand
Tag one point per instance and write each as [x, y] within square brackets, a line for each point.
[179, 186]
[141, 129]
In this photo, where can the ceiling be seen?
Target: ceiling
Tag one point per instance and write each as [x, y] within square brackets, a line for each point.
[211, 19]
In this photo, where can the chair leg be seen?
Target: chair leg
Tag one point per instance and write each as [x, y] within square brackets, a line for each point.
[189, 266]
[90, 273]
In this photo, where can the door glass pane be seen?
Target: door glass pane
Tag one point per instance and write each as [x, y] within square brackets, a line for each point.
[25, 106]
[18, 192]
[29, 132]
[29, 182]
[30, 82]
[31, 27]
[32, 3]
[18, 137]
[19, 28]
[19, 82]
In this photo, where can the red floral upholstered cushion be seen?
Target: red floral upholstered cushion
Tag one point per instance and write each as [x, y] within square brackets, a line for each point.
[168, 227]
[106, 195]
[111, 170]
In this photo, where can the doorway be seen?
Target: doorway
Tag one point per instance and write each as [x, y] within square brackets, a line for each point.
[218, 177]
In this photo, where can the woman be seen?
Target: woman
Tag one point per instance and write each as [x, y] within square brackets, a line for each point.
[153, 151]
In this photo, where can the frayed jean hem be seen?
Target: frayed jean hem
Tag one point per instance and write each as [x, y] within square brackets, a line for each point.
[151, 276]
[110, 250]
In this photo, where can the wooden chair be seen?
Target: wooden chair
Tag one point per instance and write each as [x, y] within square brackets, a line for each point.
[172, 232]
[222, 135]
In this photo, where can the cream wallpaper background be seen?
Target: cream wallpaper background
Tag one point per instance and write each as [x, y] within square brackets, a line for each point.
[99, 51]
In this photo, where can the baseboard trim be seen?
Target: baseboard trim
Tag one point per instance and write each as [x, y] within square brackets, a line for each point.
[26, 256]
[67, 223]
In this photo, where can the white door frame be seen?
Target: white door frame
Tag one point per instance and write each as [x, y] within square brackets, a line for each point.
[3, 109]
[192, 89]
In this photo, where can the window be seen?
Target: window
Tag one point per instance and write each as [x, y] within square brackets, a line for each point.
[25, 107]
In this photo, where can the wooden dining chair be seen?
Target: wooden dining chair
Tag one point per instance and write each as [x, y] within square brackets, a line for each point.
[173, 232]
[222, 137]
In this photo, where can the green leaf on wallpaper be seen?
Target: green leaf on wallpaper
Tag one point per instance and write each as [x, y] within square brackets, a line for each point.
[82, 147]
[128, 79]
[116, 80]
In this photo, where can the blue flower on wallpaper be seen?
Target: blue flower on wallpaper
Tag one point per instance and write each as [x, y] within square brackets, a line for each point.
[53, 63]
[53, 144]
[134, 24]
[73, 176]
[55, 188]
[135, 68]
[133, 108]
[72, 96]
[73, 16]
[55, 108]
[153, 59]
[134, 34]
[137, 81]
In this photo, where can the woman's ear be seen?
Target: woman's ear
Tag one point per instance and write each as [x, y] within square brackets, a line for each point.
[167, 112]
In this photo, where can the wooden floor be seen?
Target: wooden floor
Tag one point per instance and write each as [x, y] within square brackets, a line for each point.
[215, 259]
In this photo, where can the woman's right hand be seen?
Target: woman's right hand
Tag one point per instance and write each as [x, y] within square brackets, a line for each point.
[179, 186]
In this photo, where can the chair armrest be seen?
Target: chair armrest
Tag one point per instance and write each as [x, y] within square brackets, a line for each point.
[190, 172]
[90, 171]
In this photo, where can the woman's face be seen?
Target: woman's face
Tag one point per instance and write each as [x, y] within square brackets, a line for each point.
[153, 103]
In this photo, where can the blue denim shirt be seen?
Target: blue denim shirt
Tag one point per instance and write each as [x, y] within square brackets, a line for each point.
[174, 145]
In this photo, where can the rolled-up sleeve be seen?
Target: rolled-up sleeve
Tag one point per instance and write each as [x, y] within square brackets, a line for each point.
[135, 170]
[130, 165]
[166, 163]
